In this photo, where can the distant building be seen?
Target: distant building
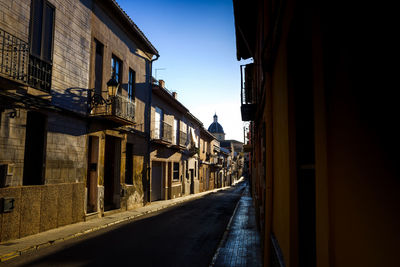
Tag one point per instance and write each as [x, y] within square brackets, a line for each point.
[205, 153]
[175, 148]
[230, 150]
[216, 129]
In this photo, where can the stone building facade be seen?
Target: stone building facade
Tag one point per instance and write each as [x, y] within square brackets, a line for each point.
[205, 156]
[43, 81]
[64, 154]
[174, 156]
[118, 133]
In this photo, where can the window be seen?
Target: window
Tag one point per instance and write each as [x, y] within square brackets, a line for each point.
[116, 68]
[42, 28]
[131, 84]
[182, 133]
[175, 133]
[158, 123]
[176, 171]
[41, 44]
[98, 66]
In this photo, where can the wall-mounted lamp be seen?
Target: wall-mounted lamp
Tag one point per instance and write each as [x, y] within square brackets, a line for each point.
[112, 86]
[96, 99]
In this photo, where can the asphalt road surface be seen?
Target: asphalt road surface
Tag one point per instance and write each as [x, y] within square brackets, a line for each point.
[184, 235]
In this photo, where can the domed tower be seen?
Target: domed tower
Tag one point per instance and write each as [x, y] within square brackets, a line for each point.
[216, 129]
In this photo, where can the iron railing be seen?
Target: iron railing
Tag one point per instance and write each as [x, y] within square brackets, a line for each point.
[118, 108]
[18, 65]
[40, 73]
[14, 54]
[123, 107]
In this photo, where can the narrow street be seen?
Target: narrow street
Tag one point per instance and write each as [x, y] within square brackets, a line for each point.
[185, 235]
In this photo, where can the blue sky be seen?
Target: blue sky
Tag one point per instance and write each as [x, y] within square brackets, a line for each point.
[196, 43]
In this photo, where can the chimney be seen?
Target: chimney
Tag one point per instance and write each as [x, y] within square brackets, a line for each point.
[175, 95]
[161, 83]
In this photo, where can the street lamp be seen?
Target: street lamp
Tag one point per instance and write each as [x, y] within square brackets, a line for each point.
[96, 99]
[112, 86]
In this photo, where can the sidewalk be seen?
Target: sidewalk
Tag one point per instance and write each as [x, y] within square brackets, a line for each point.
[240, 245]
[15, 248]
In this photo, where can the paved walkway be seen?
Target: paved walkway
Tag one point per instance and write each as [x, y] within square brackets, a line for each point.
[240, 245]
[15, 248]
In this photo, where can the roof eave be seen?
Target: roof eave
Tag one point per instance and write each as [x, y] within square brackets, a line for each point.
[134, 27]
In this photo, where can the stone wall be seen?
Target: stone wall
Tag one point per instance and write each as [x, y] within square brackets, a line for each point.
[60, 200]
[66, 150]
[117, 42]
[12, 144]
[71, 55]
[15, 17]
[135, 193]
[41, 208]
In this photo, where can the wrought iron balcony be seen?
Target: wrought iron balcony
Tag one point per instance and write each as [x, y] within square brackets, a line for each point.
[14, 56]
[18, 65]
[119, 108]
[162, 132]
[40, 73]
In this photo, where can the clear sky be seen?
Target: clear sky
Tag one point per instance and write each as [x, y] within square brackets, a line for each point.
[196, 43]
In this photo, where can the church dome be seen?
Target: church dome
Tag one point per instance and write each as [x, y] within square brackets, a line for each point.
[215, 127]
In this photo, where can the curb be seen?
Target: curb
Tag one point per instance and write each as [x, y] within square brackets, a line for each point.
[14, 254]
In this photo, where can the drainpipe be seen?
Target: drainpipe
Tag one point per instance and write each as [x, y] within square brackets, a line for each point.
[147, 126]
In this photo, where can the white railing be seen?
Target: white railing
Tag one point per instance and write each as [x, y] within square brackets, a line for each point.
[123, 107]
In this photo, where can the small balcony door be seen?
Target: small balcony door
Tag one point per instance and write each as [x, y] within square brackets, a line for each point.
[175, 134]
[158, 123]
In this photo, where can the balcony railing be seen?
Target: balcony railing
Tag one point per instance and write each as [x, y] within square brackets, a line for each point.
[18, 65]
[121, 109]
[14, 56]
[40, 73]
[162, 131]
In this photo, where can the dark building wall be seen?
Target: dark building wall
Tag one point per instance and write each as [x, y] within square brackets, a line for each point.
[324, 143]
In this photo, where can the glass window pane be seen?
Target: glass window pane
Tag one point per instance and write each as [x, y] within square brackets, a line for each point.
[131, 84]
[48, 32]
[36, 33]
